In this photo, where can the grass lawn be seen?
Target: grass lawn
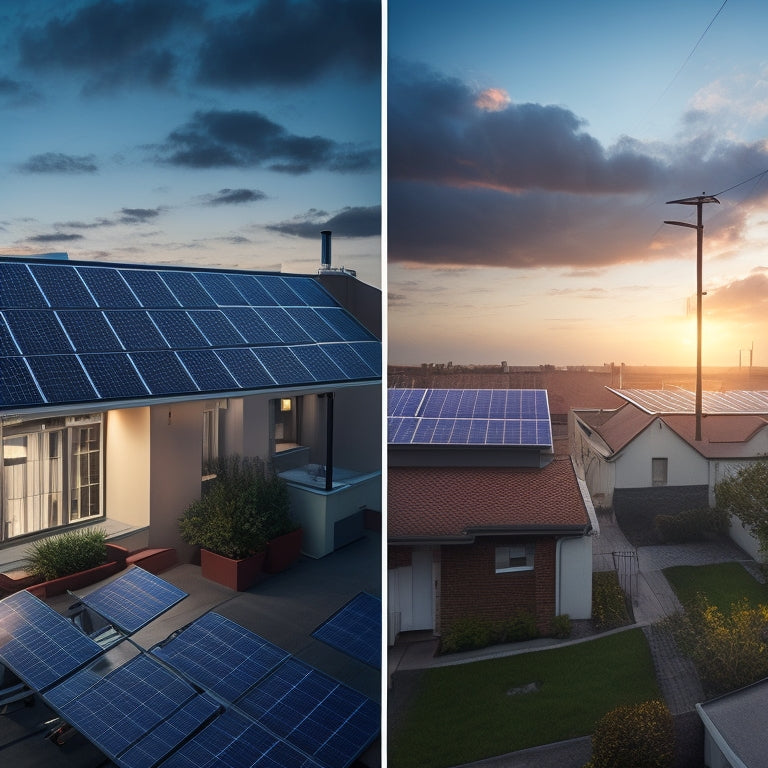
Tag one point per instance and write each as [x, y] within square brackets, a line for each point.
[722, 584]
[465, 713]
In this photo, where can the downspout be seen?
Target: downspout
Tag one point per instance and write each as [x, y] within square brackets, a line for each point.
[558, 574]
[329, 442]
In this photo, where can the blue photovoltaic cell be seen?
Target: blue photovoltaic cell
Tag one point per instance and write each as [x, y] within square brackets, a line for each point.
[246, 368]
[406, 403]
[253, 290]
[188, 291]
[62, 378]
[89, 331]
[283, 325]
[355, 629]
[216, 328]
[349, 361]
[443, 430]
[149, 288]
[283, 366]
[512, 432]
[62, 286]
[135, 329]
[281, 291]
[18, 289]
[344, 324]
[37, 331]
[400, 429]
[320, 366]
[370, 353]
[39, 645]
[478, 431]
[207, 370]
[163, 373]
[424, 431]
[169, 734]
[177, 328]
[311, 292]
[466, 409]
[220, 655]
[321, 717]
[314, 325]
[125, 705]
[221, 289]
[7, 344]
[114, 375]
[109, 288]
[134, 599]
[251, 326]
[460, 434]
[482, 404]
[433, 403]
[16, 383]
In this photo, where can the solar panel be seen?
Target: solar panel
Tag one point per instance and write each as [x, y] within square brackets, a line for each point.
[19, 289]
[163, 373]
[246, 368]
[187, 291]
[218, 331]
[221, 289]
[134, 599]
[251, 326]
[344, 324]
[178, 329]
[355, 629]
[316, 714]
[39, 645]
[109, 288]
[311, 292]
[89, 331]
[114, 375]
[314, 325]
[61, 378]
[7, 344]
[135, 330]
[62, 286]
[283, 325]
[283, 366]
[220, 655]
[370, 353]
[207, 370]
[318, 363]
[37, 332]
[149, 288]
[17, 384]
[280, 290]
[253, 290]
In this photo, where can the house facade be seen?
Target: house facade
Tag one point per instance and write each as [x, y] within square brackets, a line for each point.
[122, 385]
[489, 528]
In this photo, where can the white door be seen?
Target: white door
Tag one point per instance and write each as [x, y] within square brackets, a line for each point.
[411, 594]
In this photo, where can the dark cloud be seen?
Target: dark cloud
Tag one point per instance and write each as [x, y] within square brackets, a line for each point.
[139, 215]
[17, 92]
[287, 43]
[111, 42]
[349, 222]
[247, 139]
[57, 162]
[55, 237]
[235, 196]
[488, 182]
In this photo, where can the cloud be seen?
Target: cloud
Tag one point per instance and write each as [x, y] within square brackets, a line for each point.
[58, 162]
[54, 237]
[139, 215]
[17, 92]
[235, 197]
[247, 139]
[741, 300]
[349, 222]
[291, 43]
[111, 42]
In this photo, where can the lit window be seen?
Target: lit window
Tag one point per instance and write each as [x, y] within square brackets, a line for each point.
[286, 419]
[659, 471]
[518, 557]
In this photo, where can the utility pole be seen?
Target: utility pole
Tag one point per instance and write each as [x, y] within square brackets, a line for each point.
[699, 227]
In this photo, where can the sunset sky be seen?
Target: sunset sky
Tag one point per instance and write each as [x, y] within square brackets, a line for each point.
[532, 148]
[192, 131]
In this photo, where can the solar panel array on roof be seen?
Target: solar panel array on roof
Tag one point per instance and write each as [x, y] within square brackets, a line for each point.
[167, 332]
[682, 401]
[355, 629]
[506, 417]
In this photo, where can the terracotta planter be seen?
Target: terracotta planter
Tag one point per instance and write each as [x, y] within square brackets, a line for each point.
[283, 551]
[235, 574]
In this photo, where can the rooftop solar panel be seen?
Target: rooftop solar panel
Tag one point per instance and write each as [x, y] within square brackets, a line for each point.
[280, 290]
[163, 373]
[318, 363]
[207, 370]
[187, 291]
[345, 356]
[37, 332]
[283, 366]
[114, 376]
[251, 326]
[149, 288]
[220, 655]
[178, 329]
[39, 645]
[355, 629]
[254, 292]
[312, 322]
[246, 368]
[7, 344]
[344, 324]
[135, 330]
[108, 287]
[62, 378]
[17, 385]
[221, 289]
[682, 401]
[18, 289]
[89, 331]
[282, 324]
[311, 292]
[370, 353]
[216, 328]
[134, 599]
[62, 286]
[319, 716]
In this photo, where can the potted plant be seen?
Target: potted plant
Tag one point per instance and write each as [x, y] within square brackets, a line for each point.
[284, 536]
[227, 523]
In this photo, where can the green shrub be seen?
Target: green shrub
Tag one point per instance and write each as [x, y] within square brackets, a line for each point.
[521, 626]
[561, 626]
[467, 634]
[639, 735]
[609, 606]
[66, 553]
[692, 525]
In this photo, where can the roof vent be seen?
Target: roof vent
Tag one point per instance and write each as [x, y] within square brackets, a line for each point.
[325, 258]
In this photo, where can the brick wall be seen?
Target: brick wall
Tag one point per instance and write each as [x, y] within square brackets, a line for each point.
[398, 557]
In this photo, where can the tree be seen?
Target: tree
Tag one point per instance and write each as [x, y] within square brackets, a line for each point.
[745, 495]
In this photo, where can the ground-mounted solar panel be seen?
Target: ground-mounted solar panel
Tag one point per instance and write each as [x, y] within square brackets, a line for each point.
[132, 600]
[62, 286]
[125, 705]
[246, 368]
[286, 328]
[17, 385]
[37, 332]
[313, 324]
[108, 287]
[318, 363]
[89, 331]
[283, 366]
[355, 629]
[311, 292]
[62, 378]
[178, 329]
[218, 331]
[135, 330]
[220, 655]
[231, 741]
[280, 289]
[207, 370]
[149, 288]
[318, 715]
[344, 324]
[251, 326]
[221, 289]
[18, 289]
[39, 645]
[114, 375]
[253, 291]
[187, 291]
[163, 373]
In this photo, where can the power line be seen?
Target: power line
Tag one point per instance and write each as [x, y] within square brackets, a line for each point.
[742, 183]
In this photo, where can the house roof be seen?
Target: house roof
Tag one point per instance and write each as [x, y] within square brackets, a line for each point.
[683, 401]
[91, 332]
[456, 503]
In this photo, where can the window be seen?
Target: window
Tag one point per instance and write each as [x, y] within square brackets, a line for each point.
[286, 418]
[659, 471]
[52, 474]
[518, 557]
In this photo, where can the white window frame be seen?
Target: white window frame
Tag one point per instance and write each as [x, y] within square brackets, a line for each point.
[523, 555]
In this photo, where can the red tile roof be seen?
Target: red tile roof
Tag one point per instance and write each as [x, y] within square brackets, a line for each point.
[444, 502]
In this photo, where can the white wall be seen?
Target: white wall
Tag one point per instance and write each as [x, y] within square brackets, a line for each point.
[575, 577]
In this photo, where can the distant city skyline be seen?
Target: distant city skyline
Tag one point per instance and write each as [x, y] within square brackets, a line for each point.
[532, 150]
[193, 132]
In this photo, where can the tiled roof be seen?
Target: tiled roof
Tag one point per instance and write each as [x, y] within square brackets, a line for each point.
[437, 502]
[620, 427]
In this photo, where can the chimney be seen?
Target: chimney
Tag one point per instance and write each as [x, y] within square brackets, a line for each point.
[325, 259]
